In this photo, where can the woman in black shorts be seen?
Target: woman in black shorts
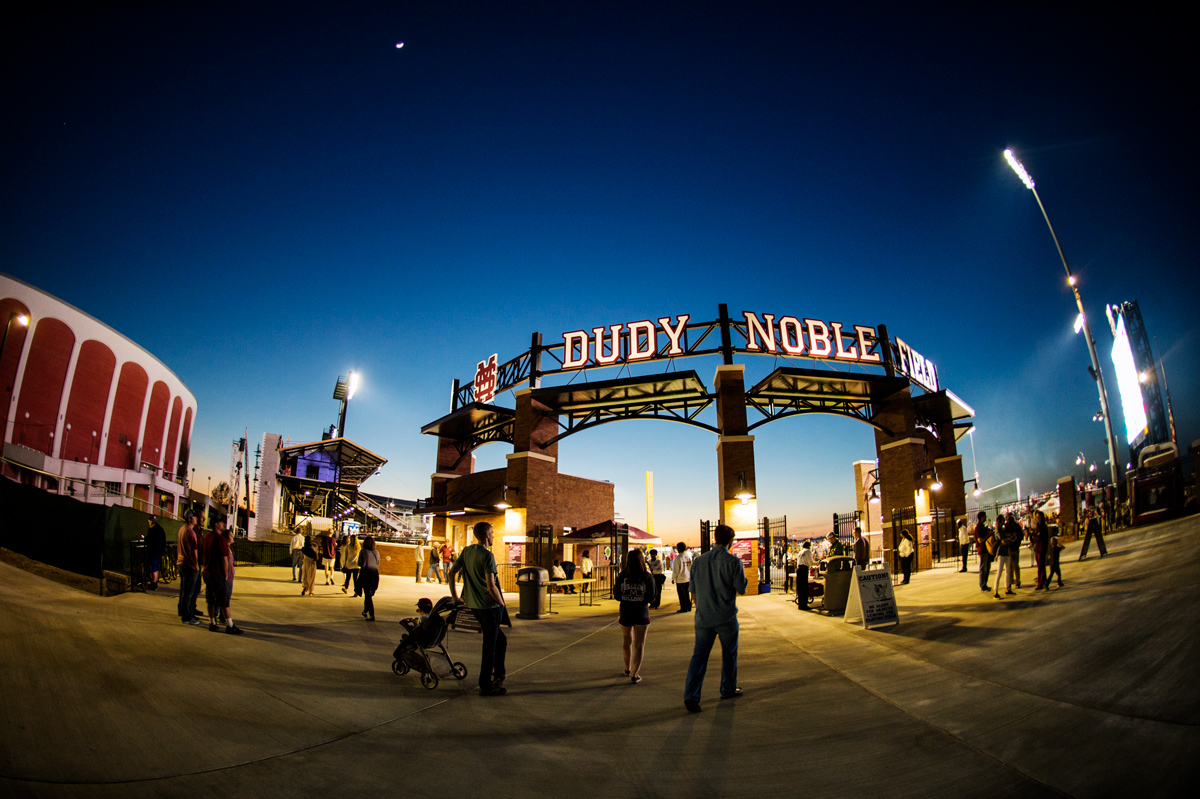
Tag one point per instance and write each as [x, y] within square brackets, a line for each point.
[635, 589]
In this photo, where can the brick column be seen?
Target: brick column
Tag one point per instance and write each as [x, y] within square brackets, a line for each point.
[735, 449]
[901, 459]
[533, 465]
[1068, 511]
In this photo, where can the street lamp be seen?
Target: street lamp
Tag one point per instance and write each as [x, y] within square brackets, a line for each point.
[1081, 320]
[344, 390]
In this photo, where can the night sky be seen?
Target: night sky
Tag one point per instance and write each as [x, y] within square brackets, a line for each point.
[265, 196]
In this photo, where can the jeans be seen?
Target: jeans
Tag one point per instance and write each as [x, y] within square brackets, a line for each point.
[435, 570]
[189, 591]
[495, 644]
[1003, 562]
[685, 600]
[985, 566]
[368, 581]
[966, 553]
[659, 579]
[705, 636]
[297, 563]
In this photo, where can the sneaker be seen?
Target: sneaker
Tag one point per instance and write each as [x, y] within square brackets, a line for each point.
[495, 690]
[213, 628]
[635, 679]
[692, 705]
[234, 630]
[737, 692]
[193, 622]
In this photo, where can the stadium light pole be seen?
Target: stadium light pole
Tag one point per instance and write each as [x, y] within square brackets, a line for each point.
[1097, 372]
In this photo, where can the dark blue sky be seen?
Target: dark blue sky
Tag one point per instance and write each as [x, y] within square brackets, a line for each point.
[265, 196]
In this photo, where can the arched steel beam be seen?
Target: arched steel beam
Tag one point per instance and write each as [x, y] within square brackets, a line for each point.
[590, 425]
[806, 412]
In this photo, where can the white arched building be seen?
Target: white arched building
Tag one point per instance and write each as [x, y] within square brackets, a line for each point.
[87, 411]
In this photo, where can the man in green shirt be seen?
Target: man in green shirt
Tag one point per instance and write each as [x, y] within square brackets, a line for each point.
[836, 548]
[481, 593]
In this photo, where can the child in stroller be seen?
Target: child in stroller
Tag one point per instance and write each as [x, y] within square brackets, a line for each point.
[421, 648]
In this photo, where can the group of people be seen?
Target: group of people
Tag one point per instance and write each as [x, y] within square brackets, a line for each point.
[208, 558]
[1001, 545]
[440, 560]
[712, 583]
[358, 559]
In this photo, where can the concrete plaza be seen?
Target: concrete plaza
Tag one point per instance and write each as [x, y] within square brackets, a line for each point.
[1086, 691]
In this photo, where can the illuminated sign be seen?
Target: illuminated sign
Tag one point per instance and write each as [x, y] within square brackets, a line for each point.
[485, 380]
[764, 333]
[1128, 383]
[916, 367]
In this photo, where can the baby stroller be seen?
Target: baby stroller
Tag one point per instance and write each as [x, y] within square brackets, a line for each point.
[421, 648]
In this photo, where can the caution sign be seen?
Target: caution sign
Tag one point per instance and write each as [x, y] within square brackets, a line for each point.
[871, 599]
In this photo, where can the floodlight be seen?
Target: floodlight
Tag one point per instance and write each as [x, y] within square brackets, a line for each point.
[353, 385]
[1020, 170]
[1078, 323]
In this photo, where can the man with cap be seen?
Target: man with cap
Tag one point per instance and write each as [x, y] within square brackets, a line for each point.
[836, 548]
[187, 559]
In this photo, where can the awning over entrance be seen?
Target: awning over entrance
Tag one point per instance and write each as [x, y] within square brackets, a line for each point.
[673, 396]
[606, 530]
[789, 391]
[475, 424]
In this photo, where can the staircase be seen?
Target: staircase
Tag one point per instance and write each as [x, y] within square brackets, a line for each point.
[402, 524]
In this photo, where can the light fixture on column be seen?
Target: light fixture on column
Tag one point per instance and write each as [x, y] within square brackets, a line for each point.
[931, 475]
[743, 492]
[978, 491]
[873, 491]
[503, 503]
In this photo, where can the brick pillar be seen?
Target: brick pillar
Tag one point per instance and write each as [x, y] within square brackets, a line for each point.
[533, 465]
[735, 449]
[901, 459]
[1068, 512]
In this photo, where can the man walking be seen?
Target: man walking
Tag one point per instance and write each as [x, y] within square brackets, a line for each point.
[1092, 528]
[681, 573]
[420, 556]
[187, 558]
[716, 580]
[481, 593]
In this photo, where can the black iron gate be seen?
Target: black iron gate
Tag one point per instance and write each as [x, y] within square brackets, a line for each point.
[771, 534]
[541, 547]
[944, 536]
[844, 524]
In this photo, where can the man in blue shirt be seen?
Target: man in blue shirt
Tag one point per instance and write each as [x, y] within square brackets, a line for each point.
[717, 578]
[481, 593]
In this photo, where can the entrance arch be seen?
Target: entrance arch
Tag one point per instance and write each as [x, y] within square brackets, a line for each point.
[854, 371]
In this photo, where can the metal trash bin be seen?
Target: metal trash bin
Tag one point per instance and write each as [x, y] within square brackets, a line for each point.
[532, 583]
[838, 571]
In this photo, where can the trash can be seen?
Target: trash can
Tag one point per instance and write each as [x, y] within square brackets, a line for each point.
[532, 583]
[838, 571]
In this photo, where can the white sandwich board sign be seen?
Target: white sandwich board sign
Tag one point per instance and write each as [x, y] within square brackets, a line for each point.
[872, 600]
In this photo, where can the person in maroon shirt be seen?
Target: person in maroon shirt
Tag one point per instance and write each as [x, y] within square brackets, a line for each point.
[218, 578]
[187, 559]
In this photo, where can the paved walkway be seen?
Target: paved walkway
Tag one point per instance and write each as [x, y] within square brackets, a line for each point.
[1086, 691]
